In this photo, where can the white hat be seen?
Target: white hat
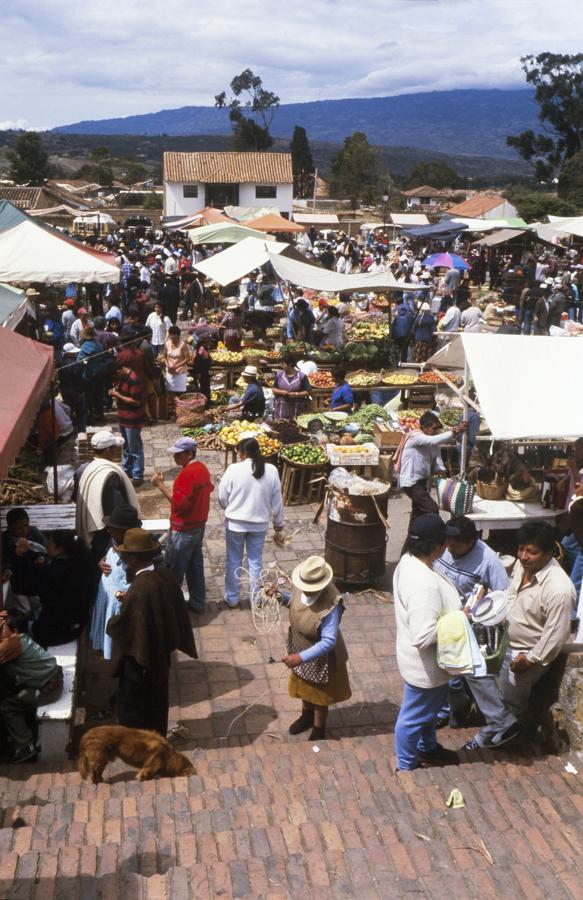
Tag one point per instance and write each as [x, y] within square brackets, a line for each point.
[490, 609]
[101, 440]
[70, 348]
[232, 304]
[425, 307]
[32, 292]
[250, 370]
[549, 280]
[425, 275]
[313, 574]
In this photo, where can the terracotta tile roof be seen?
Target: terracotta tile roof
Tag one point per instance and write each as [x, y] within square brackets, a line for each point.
[24, 197]
[476, 206]
[425, 191]
[229, 168]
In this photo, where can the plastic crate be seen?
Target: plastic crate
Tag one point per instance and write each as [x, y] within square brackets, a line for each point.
[356, 457]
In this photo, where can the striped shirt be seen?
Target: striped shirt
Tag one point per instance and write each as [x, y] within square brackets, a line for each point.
[128, 415]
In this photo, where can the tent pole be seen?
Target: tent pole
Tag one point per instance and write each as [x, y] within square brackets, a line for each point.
[54, 447]
[465, 419]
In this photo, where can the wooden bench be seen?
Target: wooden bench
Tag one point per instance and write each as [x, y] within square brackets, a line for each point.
[45, 516]
[56, 720]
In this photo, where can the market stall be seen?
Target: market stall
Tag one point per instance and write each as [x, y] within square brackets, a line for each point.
[14, 306]
[33, 252]
[225, 233]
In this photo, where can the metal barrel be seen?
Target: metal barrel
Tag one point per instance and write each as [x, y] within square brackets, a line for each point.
[356, 538]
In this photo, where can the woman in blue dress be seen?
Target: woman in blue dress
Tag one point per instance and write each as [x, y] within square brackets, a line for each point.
[113, 577]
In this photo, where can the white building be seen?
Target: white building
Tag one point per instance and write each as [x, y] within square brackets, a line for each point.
[484, 206]
[195, 180]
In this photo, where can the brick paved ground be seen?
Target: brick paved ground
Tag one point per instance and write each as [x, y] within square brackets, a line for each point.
[267, 817]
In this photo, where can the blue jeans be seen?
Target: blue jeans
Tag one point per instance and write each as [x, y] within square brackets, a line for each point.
[184, 558]
[133, 452]
[527, 326]
[236, 543]
[415, 727]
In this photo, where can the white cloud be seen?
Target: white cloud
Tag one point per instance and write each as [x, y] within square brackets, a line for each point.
[63, 61]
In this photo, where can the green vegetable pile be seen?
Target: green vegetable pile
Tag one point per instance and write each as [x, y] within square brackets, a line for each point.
[304, 454]
[192, 432]
[367, 414]
[449, 417]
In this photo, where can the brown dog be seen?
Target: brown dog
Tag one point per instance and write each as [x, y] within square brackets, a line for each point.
[146, 750]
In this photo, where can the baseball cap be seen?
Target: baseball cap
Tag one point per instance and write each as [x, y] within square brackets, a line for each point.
[430, 526]
[101, 440]
[81, 311]
[182, 444]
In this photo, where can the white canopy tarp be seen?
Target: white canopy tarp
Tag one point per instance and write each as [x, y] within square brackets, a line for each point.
[14, 305]
[224, 233]
[316, 219]
[408, 219]
[307, 275]
[94, 218]
[238, 260]
[29, 254]
[485, 225]
[572, 226]
[516, 378]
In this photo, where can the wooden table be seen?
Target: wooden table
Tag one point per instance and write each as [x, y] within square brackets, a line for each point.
[46, 516]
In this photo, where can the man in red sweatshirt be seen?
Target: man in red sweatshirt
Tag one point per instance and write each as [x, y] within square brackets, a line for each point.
[190, 501]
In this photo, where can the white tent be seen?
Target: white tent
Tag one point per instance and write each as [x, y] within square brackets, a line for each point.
[32, 252]
[307, 275]
[516, 378]
[238, 260]
[93, 218]
[572, 226]
[14, 306]
[224, 233]
[406, 220]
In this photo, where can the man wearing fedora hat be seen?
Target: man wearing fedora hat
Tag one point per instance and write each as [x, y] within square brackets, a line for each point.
[316, 651]
[151, 624]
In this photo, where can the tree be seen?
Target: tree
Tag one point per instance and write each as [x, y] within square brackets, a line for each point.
[434, 173]
[558, 83]
[29, 163]
[355, 171]
[302, 163]
[570, 187]
[134, 172]
[533, 206]
[251, 118]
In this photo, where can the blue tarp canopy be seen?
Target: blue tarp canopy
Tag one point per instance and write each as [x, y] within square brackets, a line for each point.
[442, 231]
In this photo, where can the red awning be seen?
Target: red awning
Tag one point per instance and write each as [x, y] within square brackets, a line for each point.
[25, 375]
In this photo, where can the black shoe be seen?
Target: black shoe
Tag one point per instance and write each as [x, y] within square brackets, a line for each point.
[318, 734]
[439, 757]
[25, 754]
[137, 482]
[305, 721]
[441, 722]
[513, 733]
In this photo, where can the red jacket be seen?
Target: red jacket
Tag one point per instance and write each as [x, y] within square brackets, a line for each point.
[191, 497]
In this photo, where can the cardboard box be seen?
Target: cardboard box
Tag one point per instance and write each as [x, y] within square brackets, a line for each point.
[384, 436]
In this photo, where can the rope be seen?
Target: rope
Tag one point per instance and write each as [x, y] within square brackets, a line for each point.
[265, 597]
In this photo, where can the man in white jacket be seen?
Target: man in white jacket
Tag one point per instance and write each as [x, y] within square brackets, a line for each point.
[250, 494]
[421, 596]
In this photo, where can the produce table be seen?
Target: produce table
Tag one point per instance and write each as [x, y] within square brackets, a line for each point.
[506, 515]
[46, 516]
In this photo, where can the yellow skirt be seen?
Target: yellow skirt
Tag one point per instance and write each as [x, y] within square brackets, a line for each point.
[337, 689]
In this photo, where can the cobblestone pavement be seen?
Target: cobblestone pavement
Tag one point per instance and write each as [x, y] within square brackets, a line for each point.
[268, 817]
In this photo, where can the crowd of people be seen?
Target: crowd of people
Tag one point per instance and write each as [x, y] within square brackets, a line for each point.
[120, 348]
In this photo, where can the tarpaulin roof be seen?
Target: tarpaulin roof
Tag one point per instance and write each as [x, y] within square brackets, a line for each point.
[570, 226]
[206, 216]
[443, 231]
[273, 222]
[308, 275]
[238, 260]
[224, 233]
[25, 374]
[316, 218]
[517, 396]
[500, 237]
[484, 225]
[14, 304]
[407, 219]
[32, 251]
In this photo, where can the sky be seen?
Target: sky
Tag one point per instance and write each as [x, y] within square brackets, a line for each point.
[64, 60]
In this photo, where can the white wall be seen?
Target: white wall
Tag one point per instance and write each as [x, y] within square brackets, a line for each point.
[283, 201]
[175, 204]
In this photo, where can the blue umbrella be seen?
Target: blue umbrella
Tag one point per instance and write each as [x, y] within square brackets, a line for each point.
[446, 261]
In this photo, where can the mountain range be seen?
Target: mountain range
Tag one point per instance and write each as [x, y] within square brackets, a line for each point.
[459, 122]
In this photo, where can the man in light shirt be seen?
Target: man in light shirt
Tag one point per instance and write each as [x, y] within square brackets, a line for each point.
[421, 460]
[541, 599]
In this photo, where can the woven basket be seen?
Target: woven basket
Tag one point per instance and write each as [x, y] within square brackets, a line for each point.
[189, 408]
[494, 491]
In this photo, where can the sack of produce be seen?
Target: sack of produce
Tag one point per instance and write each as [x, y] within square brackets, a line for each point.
[189, 408]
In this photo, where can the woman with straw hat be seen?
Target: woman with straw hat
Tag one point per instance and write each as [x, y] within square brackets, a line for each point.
[316, 651]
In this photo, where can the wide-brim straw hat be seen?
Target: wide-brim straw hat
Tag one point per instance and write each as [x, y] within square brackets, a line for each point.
[139, 541]
[249, 372]
[313, 574]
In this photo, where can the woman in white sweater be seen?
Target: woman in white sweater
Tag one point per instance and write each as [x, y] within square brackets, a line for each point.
[250, 494]
[421, 597]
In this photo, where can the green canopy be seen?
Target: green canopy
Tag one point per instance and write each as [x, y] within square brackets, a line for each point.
[224, 233]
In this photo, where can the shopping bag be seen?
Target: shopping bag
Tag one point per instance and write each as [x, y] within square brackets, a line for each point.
[455, 495]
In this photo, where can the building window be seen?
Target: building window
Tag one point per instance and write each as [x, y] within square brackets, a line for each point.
[190, 191]
[265, 192]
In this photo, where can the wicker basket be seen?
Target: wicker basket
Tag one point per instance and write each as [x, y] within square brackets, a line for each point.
[494, 491]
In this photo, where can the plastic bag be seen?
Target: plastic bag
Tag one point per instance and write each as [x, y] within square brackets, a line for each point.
[65, 482]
